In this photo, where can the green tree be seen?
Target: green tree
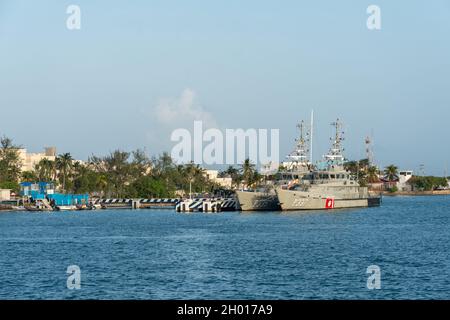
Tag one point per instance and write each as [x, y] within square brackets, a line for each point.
[352, 167]
[101, 184]
[45, 170]
[363, 164]
[372, 174]
[195, 176]
[141, 165]
[148, 187]
[248, 172]
[10, 163]
[391, 172]
[117, 170]
[64, 164]
[428, 183]
[29, 176]
[84, 179]
[233, 173]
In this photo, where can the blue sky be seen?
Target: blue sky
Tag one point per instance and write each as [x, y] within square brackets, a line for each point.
[245, 64]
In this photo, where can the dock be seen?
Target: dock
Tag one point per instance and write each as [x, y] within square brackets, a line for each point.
[179, 205]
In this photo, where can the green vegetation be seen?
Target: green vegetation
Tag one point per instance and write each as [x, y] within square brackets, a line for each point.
[120, 174]
[133, 174]
[245, 175]
[428, 183]
[391, 172]
[363, 171]
[393, 189]
[233, 173]
[9, 165]
[250, 176]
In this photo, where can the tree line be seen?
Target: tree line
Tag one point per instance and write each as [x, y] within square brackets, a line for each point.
[367, 174]
[119, 174]
[133, 174]
[122, 174]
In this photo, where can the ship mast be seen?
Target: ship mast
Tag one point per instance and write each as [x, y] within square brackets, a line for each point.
[335, 154]
[300, 153]
[369, 152]
[311, 129]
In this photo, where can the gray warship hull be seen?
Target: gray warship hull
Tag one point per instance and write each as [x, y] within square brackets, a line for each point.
[257, 201]
[305, 200]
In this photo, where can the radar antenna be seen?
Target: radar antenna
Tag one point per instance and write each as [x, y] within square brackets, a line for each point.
[301, 151]
[335, 154]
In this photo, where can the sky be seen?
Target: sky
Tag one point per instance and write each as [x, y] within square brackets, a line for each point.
[137, 70]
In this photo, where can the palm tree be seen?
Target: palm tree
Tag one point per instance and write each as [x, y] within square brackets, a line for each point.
[233, 173]
[248, 171]
[391, 172]
[78, 168]
[64, 163]
[118, 170]
[363, 163]
[29, 176]
[45, 170]
[352, 166]
[195, 176]
[372, 174]
[101, 183]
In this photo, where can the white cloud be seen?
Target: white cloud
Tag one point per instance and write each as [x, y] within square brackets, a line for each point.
[170, 114]
[182, 111]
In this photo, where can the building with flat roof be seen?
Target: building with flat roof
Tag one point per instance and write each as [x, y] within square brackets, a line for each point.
[403, 177]
[29, 160]
[5, 194]
[212, 175]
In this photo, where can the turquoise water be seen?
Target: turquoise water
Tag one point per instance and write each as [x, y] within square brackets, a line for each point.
[160, 254]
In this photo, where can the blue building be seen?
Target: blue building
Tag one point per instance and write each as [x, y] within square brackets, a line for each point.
[46, 190]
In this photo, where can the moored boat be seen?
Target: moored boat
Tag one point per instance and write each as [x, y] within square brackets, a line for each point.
[66, 208]
[329, 188]
[264, 198]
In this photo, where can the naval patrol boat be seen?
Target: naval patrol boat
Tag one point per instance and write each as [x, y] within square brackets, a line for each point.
[329, 188]
[264, 197]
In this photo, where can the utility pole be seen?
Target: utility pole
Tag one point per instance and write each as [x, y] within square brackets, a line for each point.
[422, 170]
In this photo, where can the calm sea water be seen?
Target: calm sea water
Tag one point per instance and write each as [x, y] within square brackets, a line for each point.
[160, 254]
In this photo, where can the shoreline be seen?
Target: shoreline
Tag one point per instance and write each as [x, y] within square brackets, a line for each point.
[416, 193]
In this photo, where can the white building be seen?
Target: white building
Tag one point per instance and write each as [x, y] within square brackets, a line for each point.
[29, 160]
[403, 177]
[212, 175]
[5, 194]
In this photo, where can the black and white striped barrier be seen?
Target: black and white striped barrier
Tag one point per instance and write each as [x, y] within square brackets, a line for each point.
[186, 205]
[206, 205]
[136, 203]
[112, 201]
